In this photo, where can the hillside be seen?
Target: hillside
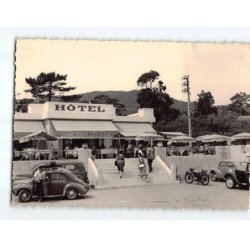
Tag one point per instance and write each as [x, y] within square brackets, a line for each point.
[128, 98]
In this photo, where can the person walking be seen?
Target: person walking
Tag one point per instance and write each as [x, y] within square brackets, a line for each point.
[120, 162]
[142, 166]
[39, 176]
[150, 157]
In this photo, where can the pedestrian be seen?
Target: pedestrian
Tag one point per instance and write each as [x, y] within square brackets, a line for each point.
[142, 166]
[140, 151]
[39, 176]
[150, 157]
[94, 152]
[130, 150]
[66, 151]
[120, 162]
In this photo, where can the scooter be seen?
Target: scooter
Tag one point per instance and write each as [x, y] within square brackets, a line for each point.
[200, 177]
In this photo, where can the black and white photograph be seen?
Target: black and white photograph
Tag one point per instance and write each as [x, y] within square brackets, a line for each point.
[131, 124]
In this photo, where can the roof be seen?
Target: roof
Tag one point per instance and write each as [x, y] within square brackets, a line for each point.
[242, 136]
[182, 139]
[170, 135]
[214, 138]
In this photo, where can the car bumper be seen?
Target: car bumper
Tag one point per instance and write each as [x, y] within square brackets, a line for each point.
[84, 191]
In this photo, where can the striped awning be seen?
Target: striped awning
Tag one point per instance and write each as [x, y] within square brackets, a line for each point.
[137, 131]
[84, 129]
[134, 127]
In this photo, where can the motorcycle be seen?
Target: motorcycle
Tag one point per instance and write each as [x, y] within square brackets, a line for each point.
[200, 177]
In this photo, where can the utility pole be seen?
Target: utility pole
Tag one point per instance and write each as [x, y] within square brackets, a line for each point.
[186, 89]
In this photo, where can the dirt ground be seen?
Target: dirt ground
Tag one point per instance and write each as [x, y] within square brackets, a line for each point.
[168, 196]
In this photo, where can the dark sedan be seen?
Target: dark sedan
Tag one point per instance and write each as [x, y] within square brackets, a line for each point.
[57, 183]
[234, 173]
[75, 167]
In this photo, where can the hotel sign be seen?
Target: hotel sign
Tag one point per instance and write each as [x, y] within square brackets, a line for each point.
[80, 107]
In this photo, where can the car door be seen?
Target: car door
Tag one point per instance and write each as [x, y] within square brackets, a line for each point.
[57, 183]
[222, 169]
[230, 167]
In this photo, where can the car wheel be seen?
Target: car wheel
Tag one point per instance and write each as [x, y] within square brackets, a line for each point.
[230, 183]
[213, 177]
[71, 194]
[24, 195]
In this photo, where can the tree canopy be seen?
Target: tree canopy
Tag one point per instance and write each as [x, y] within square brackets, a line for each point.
[104, 99]
[147, 78]
[73, 98]
[205, 104]
[45, 85]
[155, 97]
[239, 103]
[224, 122]
[22, 104]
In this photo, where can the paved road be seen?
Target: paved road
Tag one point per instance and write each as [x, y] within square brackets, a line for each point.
[172, 195]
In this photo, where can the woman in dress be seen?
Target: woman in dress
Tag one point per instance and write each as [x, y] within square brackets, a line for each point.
[120, 161]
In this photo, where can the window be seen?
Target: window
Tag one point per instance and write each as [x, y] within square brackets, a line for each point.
[230, 165]
[61, 177]
[58, 177]
[80, 167]
[69, 167]
[222, 164]
[54, 177]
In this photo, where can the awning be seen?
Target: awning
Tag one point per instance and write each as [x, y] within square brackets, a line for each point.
[84, 129]
[37, 136]
[140, 134]
[138, 131]
[170, 135]
[242, 136]
[134, 127]
[181, 139]
[23, 128]
[214, 138]
[148, 136]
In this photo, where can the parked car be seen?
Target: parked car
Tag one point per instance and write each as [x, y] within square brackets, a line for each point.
[75, 167]
[58, 182]
[232, 172]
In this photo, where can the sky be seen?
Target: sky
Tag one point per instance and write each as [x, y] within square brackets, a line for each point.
[223, 69]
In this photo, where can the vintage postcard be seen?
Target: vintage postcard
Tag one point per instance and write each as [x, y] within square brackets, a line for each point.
[124, 124]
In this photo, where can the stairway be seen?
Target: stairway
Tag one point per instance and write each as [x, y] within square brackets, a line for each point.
[131, 178]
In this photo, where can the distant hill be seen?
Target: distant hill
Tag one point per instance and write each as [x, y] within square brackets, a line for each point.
[128, 98]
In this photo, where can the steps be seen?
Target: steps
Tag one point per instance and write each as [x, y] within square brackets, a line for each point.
[131, 178]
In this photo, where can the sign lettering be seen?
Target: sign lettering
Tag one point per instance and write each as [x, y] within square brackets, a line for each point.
[81, 108]
[60, 107]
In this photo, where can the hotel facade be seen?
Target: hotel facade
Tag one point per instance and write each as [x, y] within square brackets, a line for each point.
[81, 123]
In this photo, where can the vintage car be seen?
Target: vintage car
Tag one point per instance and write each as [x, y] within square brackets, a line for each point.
[75, 167]
[232, 172]
[57, 182]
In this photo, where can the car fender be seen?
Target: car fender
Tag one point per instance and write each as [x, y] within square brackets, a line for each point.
[228, 175]
[17, 189]
[80, 188]
[217, 172]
